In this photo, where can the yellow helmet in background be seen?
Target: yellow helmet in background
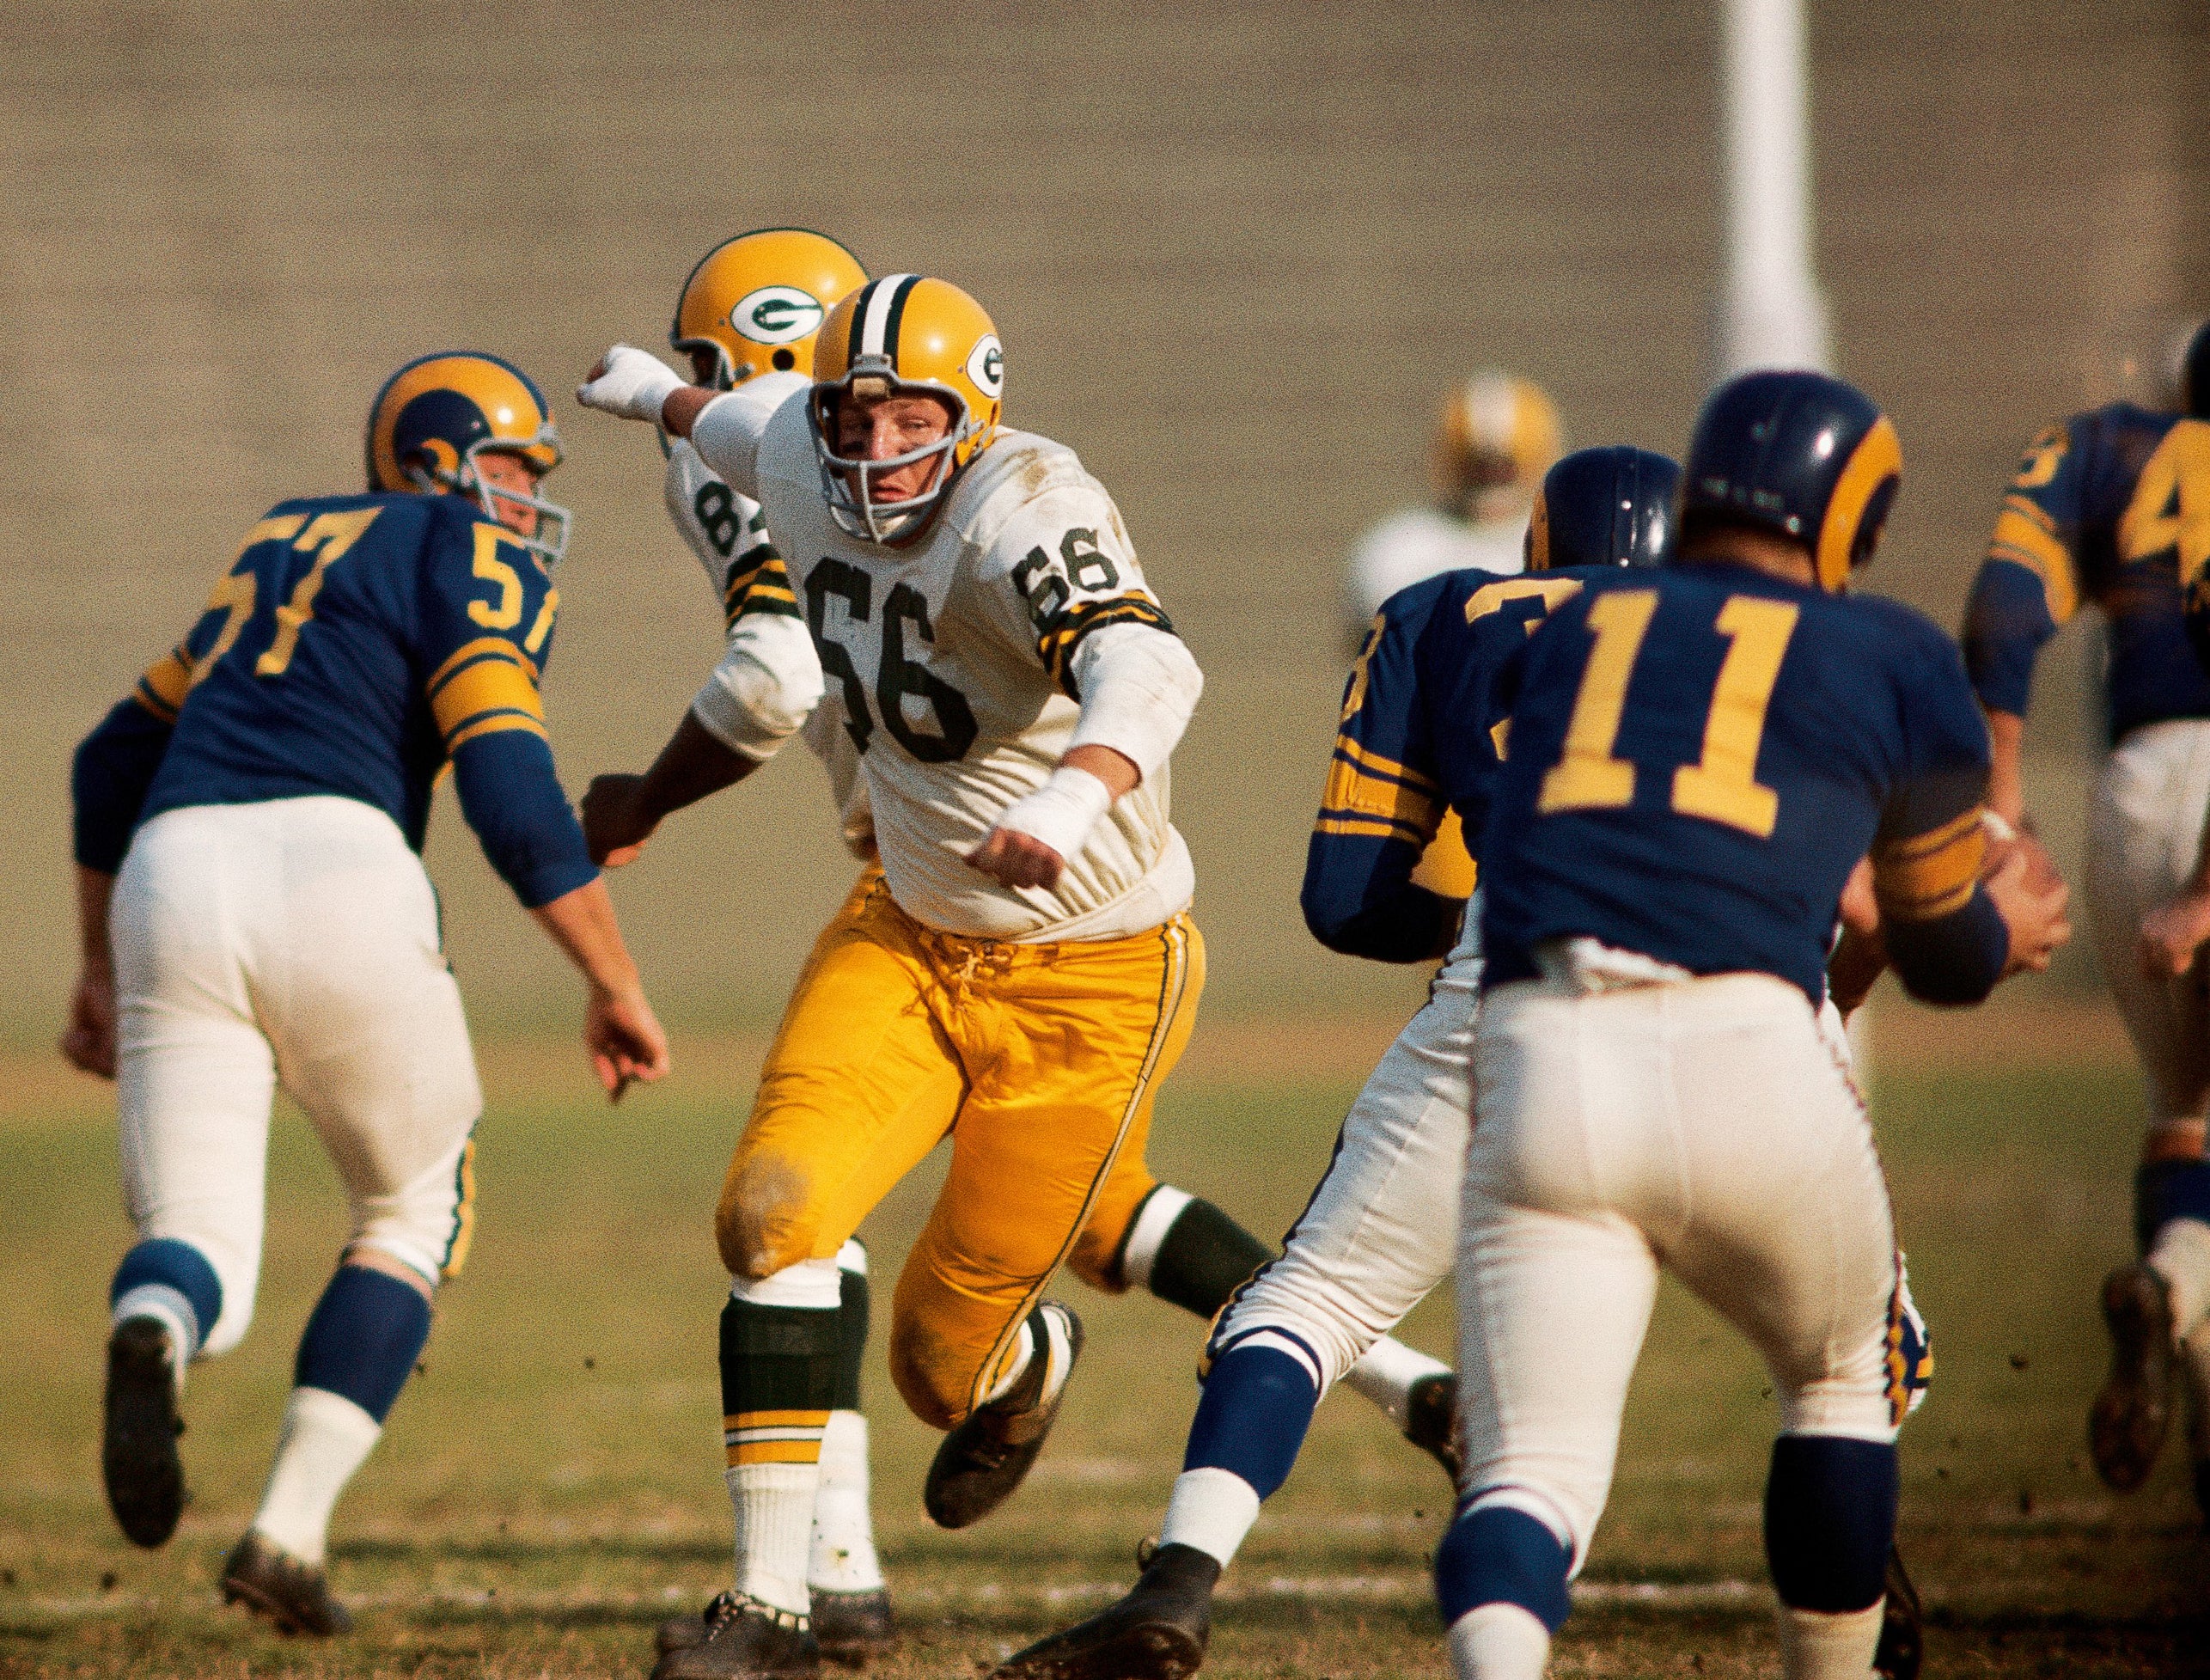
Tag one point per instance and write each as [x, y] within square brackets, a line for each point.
[903, 334]
[1498, 434]
[754, 303]
[436, 414]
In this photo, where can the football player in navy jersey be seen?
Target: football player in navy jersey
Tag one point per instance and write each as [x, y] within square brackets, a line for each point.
[2113, 507]
[253, 910]
[1414, 744]
[1698, 759]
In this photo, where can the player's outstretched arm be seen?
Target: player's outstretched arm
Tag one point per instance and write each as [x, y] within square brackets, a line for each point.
[621, 811]
[89, 1041]
[620, 1032]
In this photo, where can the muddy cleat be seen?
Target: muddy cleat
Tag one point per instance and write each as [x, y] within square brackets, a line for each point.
[680, 1632]
[1431, 1420]
[740, 1639]
[138, 1457]
[1157, 1633]
[985, 1455]
[1903, 1626]
[2127, 1428]
[854, 1628]
[288, 1591]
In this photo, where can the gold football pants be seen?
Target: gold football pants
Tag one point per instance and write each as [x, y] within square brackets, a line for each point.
[1042, 1062]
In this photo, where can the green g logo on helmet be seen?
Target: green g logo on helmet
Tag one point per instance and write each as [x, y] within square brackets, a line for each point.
[777, 314]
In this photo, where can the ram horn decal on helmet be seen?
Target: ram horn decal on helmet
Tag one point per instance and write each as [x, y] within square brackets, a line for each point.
[439, 413]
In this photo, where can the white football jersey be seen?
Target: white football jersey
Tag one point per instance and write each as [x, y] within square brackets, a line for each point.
[1418, 543]
[954, 659]
[728, 534]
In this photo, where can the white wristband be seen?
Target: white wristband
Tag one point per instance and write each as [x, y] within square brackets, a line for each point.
[635, 384]
[1062, 812]
[1998, 829]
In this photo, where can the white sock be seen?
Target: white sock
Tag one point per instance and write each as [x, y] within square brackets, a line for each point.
[2182, 1258]
[774, 1507]
[167, 1308]
[1498, 1642]
[1153, 1220]
[842, 1556]
[1830, 1645]
[325, 1438]
[1059, 1357]
[1016, 1365]
[1211, 1509]
[1386, 1374]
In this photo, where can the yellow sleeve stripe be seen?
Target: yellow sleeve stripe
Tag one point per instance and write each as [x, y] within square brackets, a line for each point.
[1353, 794]
[489, 684]
[1374, 763]
[1930, 875]
[1332, 822]
[495, 722]
[483, 647]
[2024, 537]
[167, 681]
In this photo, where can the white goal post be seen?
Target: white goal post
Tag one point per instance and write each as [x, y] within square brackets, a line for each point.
[1772, 313]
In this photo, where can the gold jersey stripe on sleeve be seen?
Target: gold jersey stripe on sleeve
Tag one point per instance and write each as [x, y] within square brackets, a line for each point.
[167, 681]
[2025, 535]
[1063, 633]
[1355, 794]
[1374, 763]
[494, 723]
[492, 685]
[768, 590]
[1930, 875]
[493, 647]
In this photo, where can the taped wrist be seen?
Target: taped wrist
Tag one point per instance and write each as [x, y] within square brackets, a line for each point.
[1062, 812]
[636, 383]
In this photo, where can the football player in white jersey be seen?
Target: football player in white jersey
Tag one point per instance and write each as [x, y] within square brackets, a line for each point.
[1023, 972]
[1496, 438]
[752, 307]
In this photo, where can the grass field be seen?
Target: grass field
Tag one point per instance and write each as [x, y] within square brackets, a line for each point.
[549, 1488]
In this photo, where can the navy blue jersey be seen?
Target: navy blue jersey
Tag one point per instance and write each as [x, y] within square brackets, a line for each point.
[2104, 508]
[355, 645]
[1698, 757]
[1415, 741]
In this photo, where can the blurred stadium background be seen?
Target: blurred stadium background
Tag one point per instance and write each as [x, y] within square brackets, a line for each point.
[1235, 254]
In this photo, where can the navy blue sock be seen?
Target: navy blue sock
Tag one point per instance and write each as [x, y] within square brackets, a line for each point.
[2168, 1190]
[169, 1264]
[1830, 1520]
[362, 1339]
[1252, 1417]
[1501, 1555]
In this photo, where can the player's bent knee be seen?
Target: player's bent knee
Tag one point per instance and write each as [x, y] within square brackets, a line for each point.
[936, 1382]
[1829, 1519]
[762, 1226]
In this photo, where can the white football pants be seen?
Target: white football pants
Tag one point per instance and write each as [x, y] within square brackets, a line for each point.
[293, 939]
[1706, 1124]
[1379, 1231]
[2143, 836]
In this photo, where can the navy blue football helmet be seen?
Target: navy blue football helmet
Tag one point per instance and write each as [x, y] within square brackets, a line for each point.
[2194, 375]
[1610, 506]
[1801, 454]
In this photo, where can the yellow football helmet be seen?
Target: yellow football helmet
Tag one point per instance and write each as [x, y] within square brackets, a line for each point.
[1497, 436]
[904, 335]
[754, 303]
[436, 414]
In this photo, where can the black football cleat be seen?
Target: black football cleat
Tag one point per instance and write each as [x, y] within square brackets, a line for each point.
[851, 1629]
[854, 1628]
[288, 1591]
[984, 1458]
[1431, 1420]
[1157, 1633]
[743, 1640]
[138, 1459]
[1903, 1625]
[2126, 1427]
